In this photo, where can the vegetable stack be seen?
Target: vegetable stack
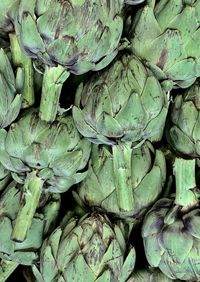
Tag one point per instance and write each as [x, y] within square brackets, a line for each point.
[99, 140]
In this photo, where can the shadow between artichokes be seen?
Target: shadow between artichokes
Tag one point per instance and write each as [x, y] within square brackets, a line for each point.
[123, 103]
[42, 156]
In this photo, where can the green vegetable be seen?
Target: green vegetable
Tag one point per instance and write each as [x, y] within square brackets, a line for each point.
[171, 228]
[183, 132]
[122, 179]
[4, 177]
[124, 103]
[89, 249]
[40, 155]
[10, 97]
[68, 37]
[43, 221]
[167, 36]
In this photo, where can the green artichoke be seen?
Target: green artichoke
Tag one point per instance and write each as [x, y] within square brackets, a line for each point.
[167, 37]
[123, 103]
[58, 32]
[149, 275]
[123, 180]
[10, 97]
[89, 249]
[183, 132]
[43, 222]
[41, 155]
[171, 228]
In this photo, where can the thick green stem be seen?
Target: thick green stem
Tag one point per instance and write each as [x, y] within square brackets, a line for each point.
[6, 269]
[122, 155]
[184, 171]
[53, 80]
[29, 203]
[24, 62]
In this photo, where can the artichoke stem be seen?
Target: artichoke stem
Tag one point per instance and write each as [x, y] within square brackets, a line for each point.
[122, 154]
[30, 198]
[24, 62]
[6, 269]
[184, 171]
[53, 80]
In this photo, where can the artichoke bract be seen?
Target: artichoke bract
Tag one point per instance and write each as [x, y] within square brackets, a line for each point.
[7, 9]
[183, 130]
[89, 249]
[149, 275]
[124, 185]
[133, 2]
[43, 222]
[68, 37]
[167, 37]
[4, 177]
[124, 103]
[42, 155]
[10, 98]
[171, 228]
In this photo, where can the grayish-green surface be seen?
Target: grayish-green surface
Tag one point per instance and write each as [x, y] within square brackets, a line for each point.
[166, 35]
[89, 249]
[124, 103]
[43, 221]
[123, 180]
[184, 130]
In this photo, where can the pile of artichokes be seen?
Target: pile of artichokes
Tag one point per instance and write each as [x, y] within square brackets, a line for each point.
[99, 140]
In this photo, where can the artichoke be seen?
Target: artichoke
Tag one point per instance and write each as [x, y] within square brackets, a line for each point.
[123, 180]
[149, 275]
[4, 177]
[89, 249]
[10, 97]
[57, 33]
[121, 104]
[43, 221]
[171, 228]
[183, 132]
[167, 37]
[41, 155]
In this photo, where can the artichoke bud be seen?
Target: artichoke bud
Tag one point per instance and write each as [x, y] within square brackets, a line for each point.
[161, 36]
[116, 183]
[183, 128]
[88, 247]
[42, 223]
[173, 223]
[73, 25]
[38, 154]
[124, 103]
